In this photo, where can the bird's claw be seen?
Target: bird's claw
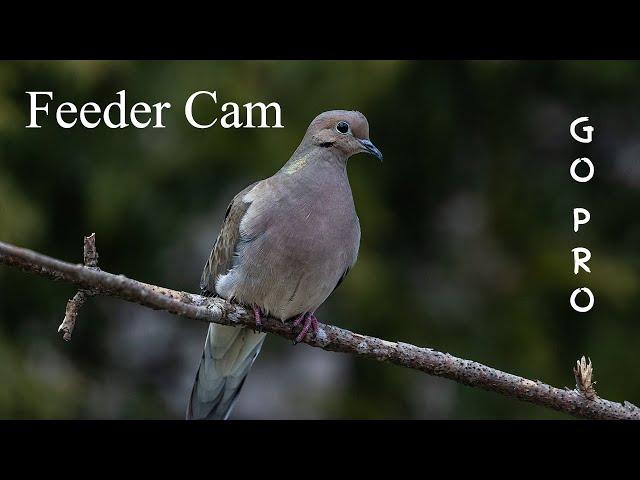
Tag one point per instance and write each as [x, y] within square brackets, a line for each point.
[309, 322]
[258, 316]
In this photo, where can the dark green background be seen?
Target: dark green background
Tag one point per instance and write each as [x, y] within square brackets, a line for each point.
[466, 232]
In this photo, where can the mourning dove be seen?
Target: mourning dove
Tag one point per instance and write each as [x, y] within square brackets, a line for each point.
[286, 243]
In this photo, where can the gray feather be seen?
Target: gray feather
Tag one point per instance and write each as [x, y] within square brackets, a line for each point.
[228, 355]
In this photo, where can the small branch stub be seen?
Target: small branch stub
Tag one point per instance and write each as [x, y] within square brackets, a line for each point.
[71, 313]
[75, 303]
[90, 252]
[583, 372]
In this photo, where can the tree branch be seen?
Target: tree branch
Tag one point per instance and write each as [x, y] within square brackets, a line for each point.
[579, 402]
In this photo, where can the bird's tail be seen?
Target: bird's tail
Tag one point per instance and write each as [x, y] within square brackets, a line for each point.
[228, 355]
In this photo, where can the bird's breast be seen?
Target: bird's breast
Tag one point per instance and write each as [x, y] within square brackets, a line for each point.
[305, 244]
[316, 224]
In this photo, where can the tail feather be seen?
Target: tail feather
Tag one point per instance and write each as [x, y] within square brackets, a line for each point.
[228, 355]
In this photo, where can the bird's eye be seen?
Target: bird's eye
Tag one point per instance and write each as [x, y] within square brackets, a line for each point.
[342, 127]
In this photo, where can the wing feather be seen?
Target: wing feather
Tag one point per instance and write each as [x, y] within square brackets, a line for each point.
[220, 260]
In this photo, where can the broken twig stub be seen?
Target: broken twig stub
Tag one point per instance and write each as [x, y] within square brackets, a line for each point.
[583, 372]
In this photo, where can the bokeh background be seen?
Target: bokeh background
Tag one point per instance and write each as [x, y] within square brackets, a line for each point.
[466, 232]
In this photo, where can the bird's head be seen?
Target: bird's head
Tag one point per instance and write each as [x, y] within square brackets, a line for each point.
[343, 130]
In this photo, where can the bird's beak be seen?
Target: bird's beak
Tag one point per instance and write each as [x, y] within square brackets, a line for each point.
[371, 148]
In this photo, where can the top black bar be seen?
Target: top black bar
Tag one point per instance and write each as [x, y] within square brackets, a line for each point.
[416, 37]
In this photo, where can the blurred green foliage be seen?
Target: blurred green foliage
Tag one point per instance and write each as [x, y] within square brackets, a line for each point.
[466, 230]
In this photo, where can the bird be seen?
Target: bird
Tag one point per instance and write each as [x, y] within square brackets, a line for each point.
[285, 245]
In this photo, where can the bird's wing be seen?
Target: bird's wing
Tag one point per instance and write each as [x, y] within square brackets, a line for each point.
[228, 352]
[221, 259]
[353, 259]
[341, 279]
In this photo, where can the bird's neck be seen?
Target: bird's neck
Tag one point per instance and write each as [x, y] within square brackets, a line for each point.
[315, 174]
[307, 159]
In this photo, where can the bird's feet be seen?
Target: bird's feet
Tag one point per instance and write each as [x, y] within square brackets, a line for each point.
[308, 321]
[257, 313]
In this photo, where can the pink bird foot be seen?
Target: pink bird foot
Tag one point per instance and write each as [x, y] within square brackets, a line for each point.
[310, 323]
[258, 316]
